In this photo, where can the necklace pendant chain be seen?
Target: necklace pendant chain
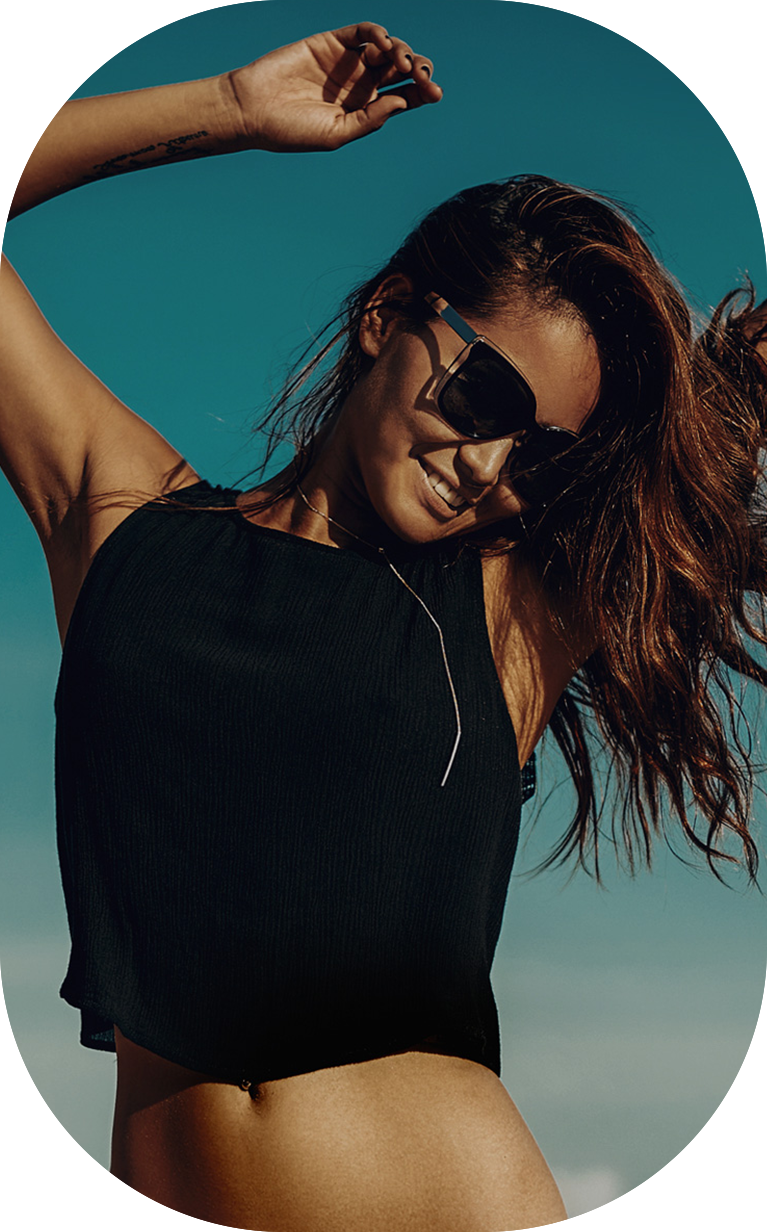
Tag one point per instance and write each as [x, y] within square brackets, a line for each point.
[434, 621]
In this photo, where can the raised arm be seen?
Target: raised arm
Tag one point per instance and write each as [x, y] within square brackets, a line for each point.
[95, 138]
[63, 435]
[317, 94]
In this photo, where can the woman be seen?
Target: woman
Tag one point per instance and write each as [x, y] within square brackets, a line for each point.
[288, 780]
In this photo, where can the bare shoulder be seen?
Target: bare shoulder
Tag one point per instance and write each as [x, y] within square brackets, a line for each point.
[534, 659]
[123, 463]
[128, 464]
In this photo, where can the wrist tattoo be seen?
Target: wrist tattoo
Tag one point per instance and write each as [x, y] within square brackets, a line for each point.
[175, 148]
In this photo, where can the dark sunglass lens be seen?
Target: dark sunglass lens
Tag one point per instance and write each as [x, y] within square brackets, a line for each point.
[486, 397]
[544, 465]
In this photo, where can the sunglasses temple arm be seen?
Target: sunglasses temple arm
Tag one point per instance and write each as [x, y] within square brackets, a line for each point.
[450, 315]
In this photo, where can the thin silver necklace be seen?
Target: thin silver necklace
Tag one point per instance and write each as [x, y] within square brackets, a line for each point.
[382, 552]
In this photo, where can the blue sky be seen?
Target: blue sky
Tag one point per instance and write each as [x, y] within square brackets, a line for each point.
[625, 1013]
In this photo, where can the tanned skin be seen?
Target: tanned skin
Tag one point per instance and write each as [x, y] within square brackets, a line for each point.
[419, 1140]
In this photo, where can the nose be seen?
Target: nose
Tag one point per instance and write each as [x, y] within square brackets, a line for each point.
[479, 463]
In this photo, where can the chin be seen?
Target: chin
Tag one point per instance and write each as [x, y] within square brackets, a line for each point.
[414, 535]
[415, 525]
[436, 532]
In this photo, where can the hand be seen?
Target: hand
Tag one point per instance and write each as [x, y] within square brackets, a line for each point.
[322, 92]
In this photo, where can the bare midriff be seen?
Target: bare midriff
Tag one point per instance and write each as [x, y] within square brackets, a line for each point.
[417, 1142]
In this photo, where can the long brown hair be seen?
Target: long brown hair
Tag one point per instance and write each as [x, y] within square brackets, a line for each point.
[656, 544]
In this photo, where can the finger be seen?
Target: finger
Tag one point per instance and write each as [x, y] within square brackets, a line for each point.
[423, 68]
[369, 119]
[402, 56]
[353, 125]
[396, 61]
[365, 32]
[422, 75]
[377, 49]
[415, 95]
[376, 57]
[381, 109]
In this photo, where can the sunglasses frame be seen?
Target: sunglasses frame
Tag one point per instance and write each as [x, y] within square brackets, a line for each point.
[472, 338]
[535, 433]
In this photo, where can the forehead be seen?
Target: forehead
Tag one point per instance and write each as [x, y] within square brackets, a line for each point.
[557, 355]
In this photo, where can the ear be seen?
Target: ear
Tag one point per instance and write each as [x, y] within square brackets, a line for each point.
[382, 313]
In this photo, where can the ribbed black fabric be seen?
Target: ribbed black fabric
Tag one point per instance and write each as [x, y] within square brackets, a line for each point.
[262, 873]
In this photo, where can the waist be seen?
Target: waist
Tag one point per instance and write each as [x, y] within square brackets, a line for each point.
[415, 1140]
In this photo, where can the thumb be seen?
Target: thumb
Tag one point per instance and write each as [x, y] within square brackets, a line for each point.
[369, 119]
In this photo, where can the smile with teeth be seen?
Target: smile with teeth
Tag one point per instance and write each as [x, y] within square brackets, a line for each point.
[450, 496]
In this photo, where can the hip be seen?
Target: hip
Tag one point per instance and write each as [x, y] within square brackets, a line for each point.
[417, 1140]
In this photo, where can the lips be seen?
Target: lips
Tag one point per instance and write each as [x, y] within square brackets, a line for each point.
[451, 497]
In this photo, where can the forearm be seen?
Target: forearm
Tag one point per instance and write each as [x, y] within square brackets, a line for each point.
[96, 138]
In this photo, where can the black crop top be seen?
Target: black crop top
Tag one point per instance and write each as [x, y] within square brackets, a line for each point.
[263, 875]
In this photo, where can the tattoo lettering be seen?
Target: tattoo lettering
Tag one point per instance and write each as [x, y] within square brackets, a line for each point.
[174, 141]
[165, 151]
[111, 165]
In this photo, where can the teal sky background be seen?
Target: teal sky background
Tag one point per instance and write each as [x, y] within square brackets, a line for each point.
[625, 1012]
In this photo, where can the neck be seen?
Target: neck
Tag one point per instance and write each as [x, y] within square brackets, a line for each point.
[333, 523]
[331, 506]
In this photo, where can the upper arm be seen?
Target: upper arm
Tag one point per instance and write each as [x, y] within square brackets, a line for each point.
[533, 662]
[63, 434]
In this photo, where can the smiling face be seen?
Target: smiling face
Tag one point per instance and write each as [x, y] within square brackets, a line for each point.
[422, 479]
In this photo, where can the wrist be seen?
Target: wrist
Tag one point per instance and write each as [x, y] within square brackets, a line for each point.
[214, 108]
[242, 132]
[251, 94]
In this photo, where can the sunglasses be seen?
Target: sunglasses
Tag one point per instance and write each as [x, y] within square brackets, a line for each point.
[484, 396]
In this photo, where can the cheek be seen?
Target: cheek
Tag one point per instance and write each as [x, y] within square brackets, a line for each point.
[383, 408]
[382, 444]
[501, 502]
